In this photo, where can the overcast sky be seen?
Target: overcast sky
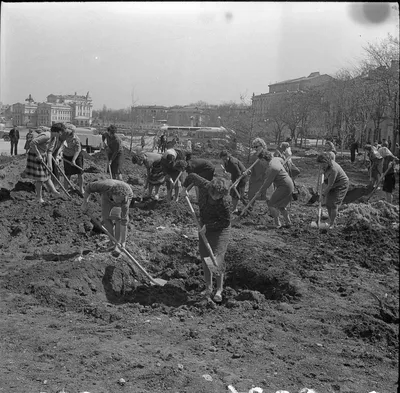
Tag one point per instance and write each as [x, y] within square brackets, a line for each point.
[177, 53]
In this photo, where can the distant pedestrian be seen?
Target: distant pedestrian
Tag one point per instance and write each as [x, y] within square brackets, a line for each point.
[189, 145]
[14, 139]
[353, 150]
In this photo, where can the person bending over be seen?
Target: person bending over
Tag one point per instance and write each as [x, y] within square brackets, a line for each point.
[116, 197]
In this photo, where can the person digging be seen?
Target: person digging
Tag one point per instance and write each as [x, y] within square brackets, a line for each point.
[155, 176]
[236, 169]
[116, 198]
[215, 224]
[277, 175]
[336, 189]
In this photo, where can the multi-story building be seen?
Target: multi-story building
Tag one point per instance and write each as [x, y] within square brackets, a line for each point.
[58, 108]
[262, 102]
[25, 114]
[81, 108]
[49, 113]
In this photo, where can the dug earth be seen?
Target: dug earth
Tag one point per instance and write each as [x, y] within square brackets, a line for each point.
[303, 309]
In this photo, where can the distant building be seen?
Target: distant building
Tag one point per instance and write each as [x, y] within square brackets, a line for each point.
[81, 108]
[73, 109]
[262, 102]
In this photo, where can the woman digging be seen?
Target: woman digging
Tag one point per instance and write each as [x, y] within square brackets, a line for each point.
[277, 175]
[155, 175]
[336, 189]
[215, 223]
[40, 156]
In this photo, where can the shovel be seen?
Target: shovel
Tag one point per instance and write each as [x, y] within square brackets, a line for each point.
[318, 223]
[256, 195]
[154, 281]
[66, 178]
[55, 178]
[315, 195]
[234, 185]
[209, 261]
[380, 181]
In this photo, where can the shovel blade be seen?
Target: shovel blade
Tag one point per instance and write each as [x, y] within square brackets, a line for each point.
[159, 281]
[210, 264]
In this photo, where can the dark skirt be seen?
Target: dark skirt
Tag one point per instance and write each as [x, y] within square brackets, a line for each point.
[73, 170]
[389, 183]
[281, 197]
[336, 195]
[208, 174]
[218, 241]
[35, 169]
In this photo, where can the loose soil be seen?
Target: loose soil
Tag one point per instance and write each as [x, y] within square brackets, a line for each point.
[303, 307]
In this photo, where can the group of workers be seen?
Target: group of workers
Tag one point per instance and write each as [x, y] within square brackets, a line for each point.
[266, 169]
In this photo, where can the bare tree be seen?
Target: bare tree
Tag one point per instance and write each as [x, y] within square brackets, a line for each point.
[382, 65]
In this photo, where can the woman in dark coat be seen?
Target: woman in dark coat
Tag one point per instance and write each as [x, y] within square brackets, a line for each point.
[338, 184]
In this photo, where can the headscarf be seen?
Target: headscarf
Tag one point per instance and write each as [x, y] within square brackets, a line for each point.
[259, 141]
[331, 146]
[138, 157]
[324, 158]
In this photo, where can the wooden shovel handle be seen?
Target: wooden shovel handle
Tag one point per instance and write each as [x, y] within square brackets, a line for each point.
[124, 250]
[203, 236]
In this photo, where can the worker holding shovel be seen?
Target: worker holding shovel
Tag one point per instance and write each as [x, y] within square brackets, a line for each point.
[155, 176]
[173, 164]
[203, 168]
[236, 168]
[336, 189]
[115, 153]
[215, 224]
[258, 171]
[116, 197]
[39, 163]
[70, 149]
[277, 175]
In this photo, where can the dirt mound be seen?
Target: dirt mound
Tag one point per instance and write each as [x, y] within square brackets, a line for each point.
[295, 298]
[377, 215]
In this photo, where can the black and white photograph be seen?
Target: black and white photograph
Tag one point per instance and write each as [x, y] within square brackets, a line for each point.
[199, 197]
